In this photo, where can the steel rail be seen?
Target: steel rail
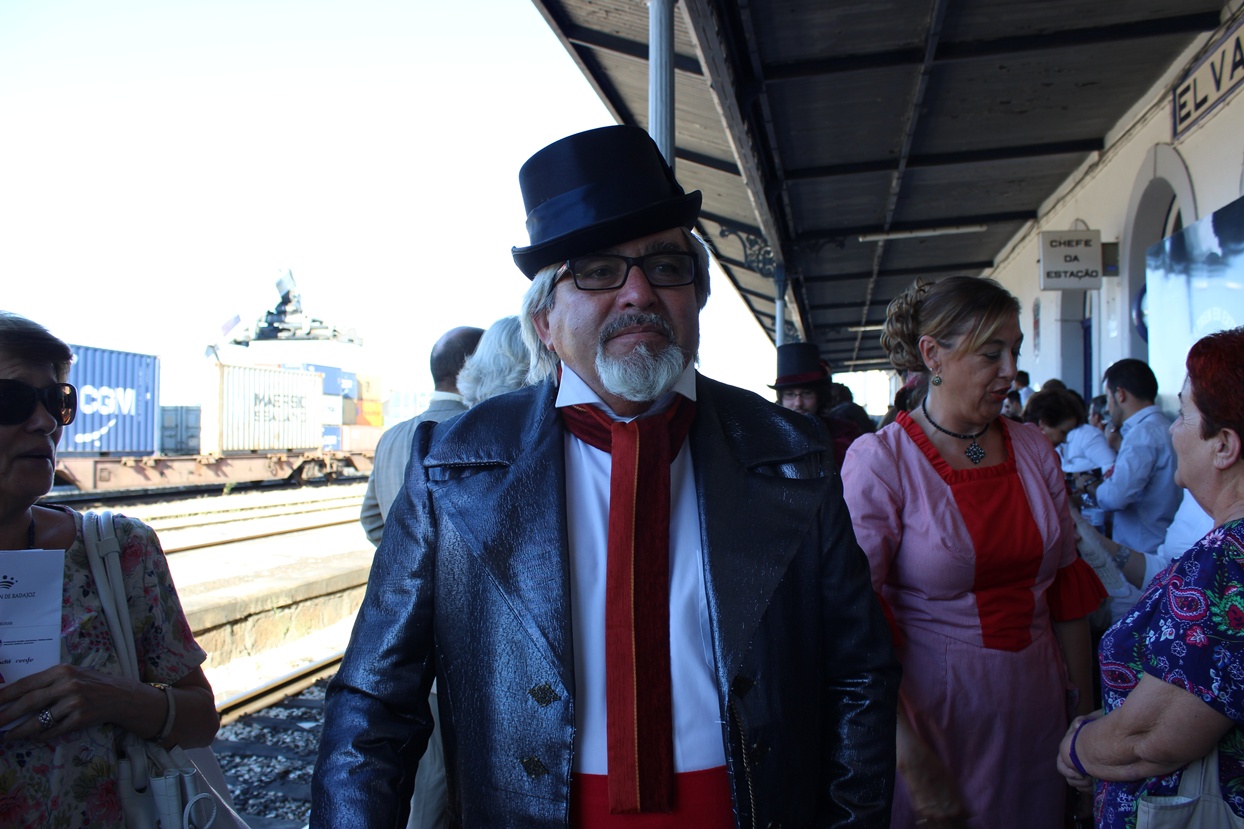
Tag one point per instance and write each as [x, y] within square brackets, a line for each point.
[220, 542]
[271, 693]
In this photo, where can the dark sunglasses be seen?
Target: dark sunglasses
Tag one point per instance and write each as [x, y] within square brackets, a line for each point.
[18, 401]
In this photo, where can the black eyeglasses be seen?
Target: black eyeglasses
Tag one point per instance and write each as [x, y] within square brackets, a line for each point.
[608, 271]
[18, 401]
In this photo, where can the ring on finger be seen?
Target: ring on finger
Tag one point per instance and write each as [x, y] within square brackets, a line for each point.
[46, 719]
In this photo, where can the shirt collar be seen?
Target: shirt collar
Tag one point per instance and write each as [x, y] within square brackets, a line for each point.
[1134, 420]
[447, 395]
[573, 391]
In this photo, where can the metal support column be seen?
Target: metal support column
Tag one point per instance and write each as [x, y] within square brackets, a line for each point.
[779, 303]
[661, 76]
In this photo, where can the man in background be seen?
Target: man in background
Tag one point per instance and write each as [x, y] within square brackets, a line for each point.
[1141, 490]
[389, 469]
[845, 407]
[1020, 384]
[1013, 407]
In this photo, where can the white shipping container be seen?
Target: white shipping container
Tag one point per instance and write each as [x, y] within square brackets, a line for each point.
[360, 438]
[331, 409]
[263, 410]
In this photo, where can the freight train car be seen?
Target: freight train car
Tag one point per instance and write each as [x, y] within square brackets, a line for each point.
[256, 424]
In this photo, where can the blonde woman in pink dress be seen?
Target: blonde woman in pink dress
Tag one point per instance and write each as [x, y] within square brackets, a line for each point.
[964, 518]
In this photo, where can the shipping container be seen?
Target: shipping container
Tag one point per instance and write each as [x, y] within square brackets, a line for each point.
[331, 438]
[118, 403]
[330, 409]
[263, 410]
[362, 412]
[180, 427]
[360, 438]
[369, 387]
[337, 381]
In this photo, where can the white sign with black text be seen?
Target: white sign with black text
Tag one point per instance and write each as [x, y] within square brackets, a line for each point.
[1071, 260]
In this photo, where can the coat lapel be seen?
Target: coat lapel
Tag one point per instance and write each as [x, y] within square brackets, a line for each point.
[752, 522]
[504, 493]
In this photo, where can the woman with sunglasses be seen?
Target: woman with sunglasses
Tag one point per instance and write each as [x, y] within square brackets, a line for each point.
[60, 728]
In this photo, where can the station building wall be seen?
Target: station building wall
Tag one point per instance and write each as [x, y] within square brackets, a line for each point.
[1125, 191]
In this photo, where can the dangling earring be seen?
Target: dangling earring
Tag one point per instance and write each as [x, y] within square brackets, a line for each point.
[937, 380]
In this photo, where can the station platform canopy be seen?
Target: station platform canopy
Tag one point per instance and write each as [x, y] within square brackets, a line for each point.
[859, 144]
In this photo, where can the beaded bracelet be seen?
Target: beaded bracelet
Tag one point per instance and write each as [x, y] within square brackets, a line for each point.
[1075, 761]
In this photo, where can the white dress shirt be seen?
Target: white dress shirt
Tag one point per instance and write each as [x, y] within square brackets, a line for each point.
[696, 709]
[1141, 490]
[1085, 448]
[1189, 526]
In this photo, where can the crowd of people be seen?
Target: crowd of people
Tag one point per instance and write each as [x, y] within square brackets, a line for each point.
[611, 592]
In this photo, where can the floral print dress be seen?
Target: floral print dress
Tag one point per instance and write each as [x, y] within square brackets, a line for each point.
[71, 781]
[1186, 629]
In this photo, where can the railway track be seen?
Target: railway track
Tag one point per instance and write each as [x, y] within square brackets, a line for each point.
[267, 746]
[209, 522]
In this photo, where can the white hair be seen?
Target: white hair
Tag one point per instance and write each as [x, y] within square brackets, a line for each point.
[498, 364]
[539, 300]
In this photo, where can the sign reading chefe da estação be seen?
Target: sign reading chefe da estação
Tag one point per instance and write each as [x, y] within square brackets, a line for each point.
[1070, 260]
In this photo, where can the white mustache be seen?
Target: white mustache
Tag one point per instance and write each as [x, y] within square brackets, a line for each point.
[628, 320]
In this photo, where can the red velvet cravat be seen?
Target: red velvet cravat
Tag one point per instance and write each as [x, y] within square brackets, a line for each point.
[637, 639]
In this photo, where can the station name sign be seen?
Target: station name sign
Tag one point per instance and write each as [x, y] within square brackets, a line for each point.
[1210, 81]
[1071, 260]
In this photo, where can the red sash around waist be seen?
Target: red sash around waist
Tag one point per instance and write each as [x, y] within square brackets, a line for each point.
[701, 801]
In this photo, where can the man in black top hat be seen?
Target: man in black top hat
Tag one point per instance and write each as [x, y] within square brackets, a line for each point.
[637, 588]
[802, 385]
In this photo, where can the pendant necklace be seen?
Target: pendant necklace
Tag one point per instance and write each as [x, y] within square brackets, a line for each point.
[974, 451]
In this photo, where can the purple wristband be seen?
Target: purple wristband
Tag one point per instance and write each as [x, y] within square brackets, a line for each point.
[1075, 761]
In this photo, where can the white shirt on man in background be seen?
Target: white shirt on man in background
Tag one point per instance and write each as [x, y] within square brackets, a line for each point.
[1189, 526]
[1084, 449]
[1141, 491]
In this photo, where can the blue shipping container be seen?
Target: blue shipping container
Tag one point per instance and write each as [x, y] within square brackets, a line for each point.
[336, 381]
[332, 438]
[118, 403]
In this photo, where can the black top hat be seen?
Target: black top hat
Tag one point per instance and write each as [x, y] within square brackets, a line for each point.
[596, 189]
[799, 364]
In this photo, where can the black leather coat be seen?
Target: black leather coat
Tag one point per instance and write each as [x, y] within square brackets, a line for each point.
[471, 584]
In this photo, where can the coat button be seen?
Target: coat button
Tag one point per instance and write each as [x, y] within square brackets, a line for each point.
[544, 694]
[533, 767]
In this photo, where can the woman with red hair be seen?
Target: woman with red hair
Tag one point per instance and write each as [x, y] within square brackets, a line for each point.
[1177, 658]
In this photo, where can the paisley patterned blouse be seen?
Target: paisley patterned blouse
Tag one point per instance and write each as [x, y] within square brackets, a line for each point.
[1186, 629]
[71, 782]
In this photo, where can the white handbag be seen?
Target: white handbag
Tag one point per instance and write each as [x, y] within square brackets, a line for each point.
[1197, 805]
[159, 788]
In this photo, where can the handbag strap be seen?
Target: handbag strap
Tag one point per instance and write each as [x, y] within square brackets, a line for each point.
[1201, 777]
[104, 555]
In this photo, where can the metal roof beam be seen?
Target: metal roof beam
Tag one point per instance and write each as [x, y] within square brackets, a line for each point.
[847, 306]
[974, 50]
[707, 161]
[637, 50]
[842, 233]
[954, 267]
[889, 165]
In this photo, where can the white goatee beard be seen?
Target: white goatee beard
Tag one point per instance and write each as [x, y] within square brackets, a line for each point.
[640, 376]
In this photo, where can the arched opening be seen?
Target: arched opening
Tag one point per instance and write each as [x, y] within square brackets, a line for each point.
[1162, 202]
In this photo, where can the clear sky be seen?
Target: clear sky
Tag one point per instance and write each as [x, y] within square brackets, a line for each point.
[163, 162]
